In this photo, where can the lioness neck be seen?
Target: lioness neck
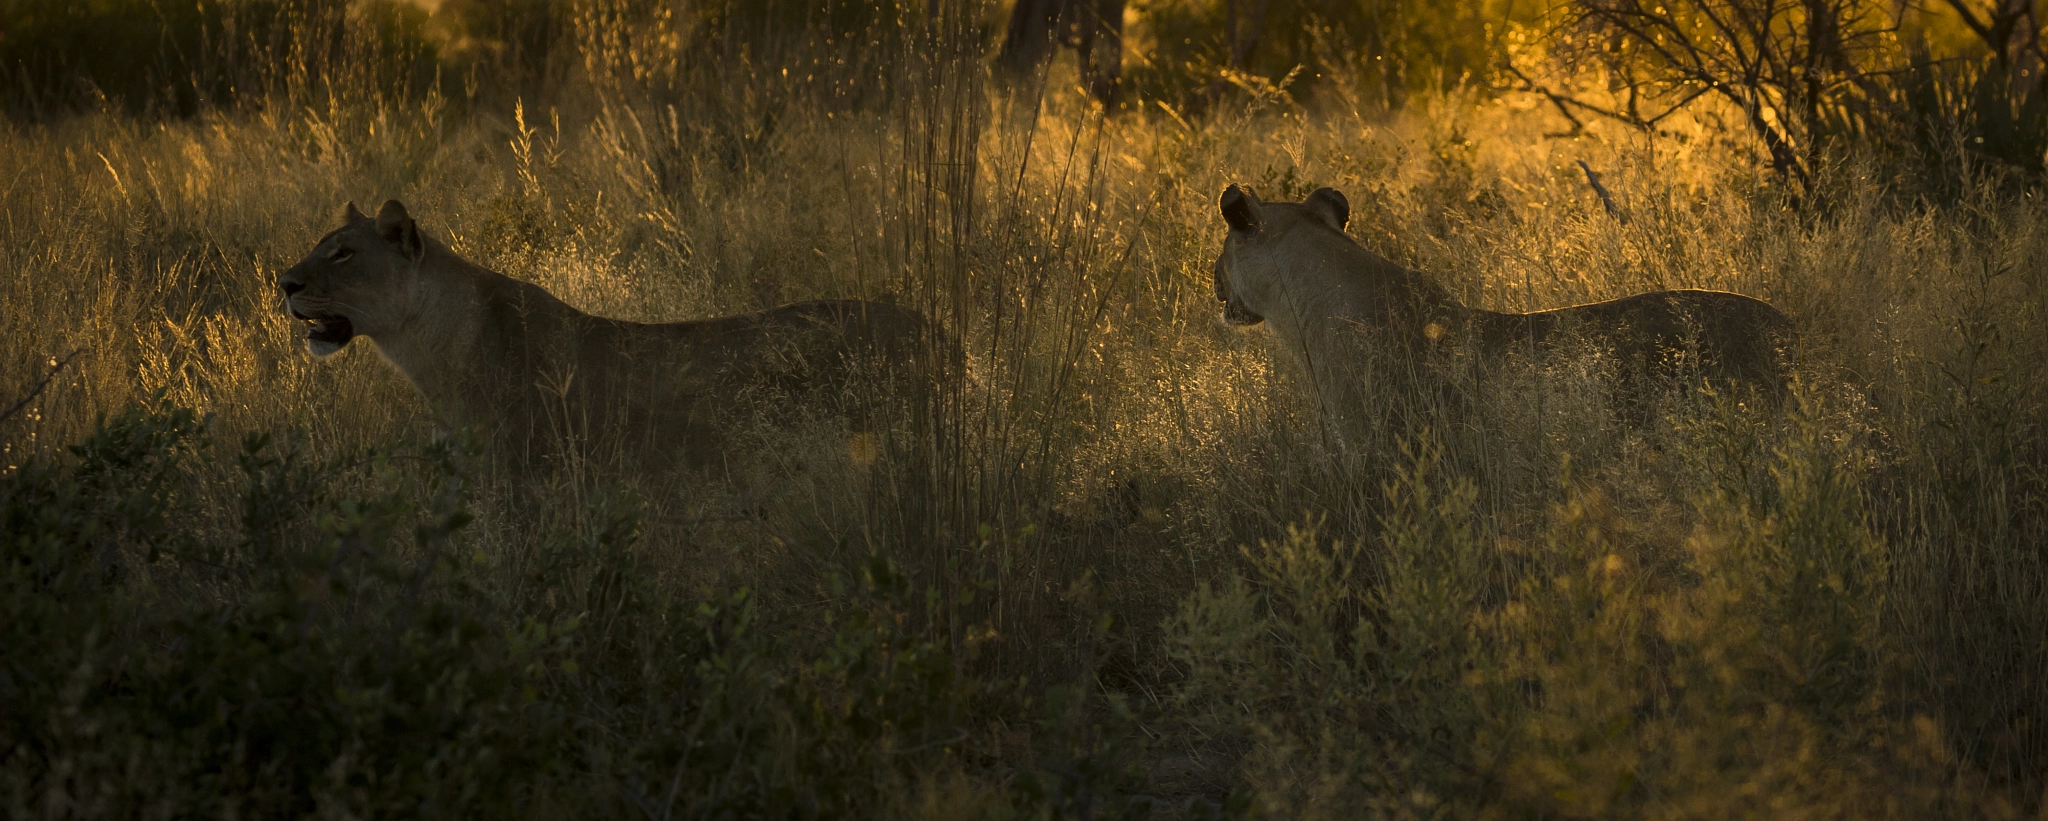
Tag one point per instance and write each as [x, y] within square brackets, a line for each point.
[1365, 290]
[459, 309]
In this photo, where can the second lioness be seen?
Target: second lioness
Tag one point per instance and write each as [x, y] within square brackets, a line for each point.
[507, 360]
[1290, 265]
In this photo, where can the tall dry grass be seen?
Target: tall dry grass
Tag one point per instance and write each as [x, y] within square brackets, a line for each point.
[1836, 610]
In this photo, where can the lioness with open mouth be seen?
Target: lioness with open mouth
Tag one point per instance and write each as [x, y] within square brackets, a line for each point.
[1328, 300]
[527, 373]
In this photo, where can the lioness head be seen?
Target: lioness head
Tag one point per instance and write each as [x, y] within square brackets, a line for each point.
[1245, 270]
[346, 285]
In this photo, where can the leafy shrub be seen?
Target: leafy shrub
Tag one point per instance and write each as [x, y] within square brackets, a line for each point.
[178, 58]
[1433, 672]
[350, 654]
[286, 674]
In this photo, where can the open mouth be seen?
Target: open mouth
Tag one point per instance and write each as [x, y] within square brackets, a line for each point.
[329, 332]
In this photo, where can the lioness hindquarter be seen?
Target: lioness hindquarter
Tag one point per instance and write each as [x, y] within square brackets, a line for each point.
[533, 376]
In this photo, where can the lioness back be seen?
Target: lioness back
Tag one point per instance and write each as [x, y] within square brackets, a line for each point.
[783, 342]
[1717, 336]
[537, 378]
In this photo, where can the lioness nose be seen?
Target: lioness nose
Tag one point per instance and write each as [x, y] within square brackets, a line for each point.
[291, 287]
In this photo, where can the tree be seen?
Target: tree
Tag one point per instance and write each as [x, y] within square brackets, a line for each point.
[2012, 30]
[1784, 64]
[1803, 71]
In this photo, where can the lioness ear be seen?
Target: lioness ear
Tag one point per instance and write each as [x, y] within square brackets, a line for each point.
[1329, 203]
[352, 213]
[1241, 209]
[397, 227]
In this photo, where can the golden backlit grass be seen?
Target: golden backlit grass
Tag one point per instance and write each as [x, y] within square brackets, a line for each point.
[1834, 611]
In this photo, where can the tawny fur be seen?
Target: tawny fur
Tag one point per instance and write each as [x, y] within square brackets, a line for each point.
[1327, 299]
[527, 373]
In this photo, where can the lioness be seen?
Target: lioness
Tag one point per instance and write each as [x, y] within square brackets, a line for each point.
[1291, 266]
[528, 373]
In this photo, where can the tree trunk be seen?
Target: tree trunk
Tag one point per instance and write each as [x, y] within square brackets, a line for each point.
[1244, 23]
[1094, 28]
[2022, 48]
[1247, 25]
[1101, 47]
[1028, 42]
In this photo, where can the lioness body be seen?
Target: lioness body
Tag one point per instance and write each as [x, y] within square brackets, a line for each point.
[529, 373]
[1291, 266]
[1737, 339]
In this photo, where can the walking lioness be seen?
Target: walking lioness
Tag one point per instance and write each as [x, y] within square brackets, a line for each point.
[1291, 266]
[527, 373]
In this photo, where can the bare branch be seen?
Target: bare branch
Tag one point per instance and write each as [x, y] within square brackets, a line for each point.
[1970, 19]
[1605, 199]
[1559, 101]
[41, 385]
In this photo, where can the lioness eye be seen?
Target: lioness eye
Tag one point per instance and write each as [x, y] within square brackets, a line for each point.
[341, 254]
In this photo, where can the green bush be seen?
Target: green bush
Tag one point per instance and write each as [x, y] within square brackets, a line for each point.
[155, 673]
[340, 653]
[1432, 673]
[58, 56]
[1376, 55]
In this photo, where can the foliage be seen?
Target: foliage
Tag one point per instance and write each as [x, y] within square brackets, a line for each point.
[330, 659]
[1438, 674]
[1806, 80]
[182, 58]
[1374, 54]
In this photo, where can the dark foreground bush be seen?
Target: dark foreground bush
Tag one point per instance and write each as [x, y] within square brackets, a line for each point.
[1602, 672]
[342, 654]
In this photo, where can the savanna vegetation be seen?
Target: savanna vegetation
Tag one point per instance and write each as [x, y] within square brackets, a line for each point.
[1112, 564]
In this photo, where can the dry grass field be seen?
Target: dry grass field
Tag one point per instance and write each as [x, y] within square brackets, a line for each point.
[1112, 564]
